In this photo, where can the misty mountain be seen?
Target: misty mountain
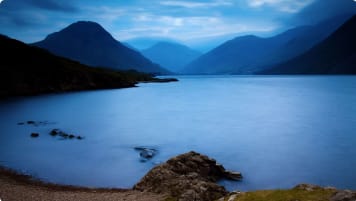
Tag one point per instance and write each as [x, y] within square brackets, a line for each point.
[90, 44]
[249, 54]
[142, 43]
[172, 56]
[29, 70]
[334, 55]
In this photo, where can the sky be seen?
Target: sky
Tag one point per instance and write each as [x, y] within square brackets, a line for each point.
[190, 22]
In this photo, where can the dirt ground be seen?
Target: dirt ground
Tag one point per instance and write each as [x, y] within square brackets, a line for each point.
[15, 187]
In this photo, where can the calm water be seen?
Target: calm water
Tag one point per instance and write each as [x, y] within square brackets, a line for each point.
[278, 131]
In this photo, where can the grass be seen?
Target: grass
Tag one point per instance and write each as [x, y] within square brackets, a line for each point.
[286, 195]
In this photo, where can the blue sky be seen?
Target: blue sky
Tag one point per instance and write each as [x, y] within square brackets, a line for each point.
[191, 22]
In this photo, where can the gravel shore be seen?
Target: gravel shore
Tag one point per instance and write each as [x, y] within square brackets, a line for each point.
[15, 187]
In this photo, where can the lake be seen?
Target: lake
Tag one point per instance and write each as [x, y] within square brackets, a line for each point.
[278, 131]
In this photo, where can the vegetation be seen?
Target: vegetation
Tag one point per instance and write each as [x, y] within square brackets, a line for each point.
[286, 195]
[27, 70]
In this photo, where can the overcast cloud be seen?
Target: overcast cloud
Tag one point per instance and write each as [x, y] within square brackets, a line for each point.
[187, 21]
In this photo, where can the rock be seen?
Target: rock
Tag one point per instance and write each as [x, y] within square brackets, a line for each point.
[55, 132]
[189, 176]
[233, 175]
[31, 122]
[345, 195]
[232, 197]
[146, 153]
[35, 135]
[307, 187]
[63, 134]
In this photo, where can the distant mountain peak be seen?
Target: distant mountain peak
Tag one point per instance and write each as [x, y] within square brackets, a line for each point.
[89, 43]
[82, 29]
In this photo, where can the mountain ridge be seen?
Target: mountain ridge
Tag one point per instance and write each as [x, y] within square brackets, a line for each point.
[89, 43]
[172, 56]
[249, 54]
[335, 55]
[37, 71]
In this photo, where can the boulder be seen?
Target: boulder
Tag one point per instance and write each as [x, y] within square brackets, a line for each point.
[190, 176]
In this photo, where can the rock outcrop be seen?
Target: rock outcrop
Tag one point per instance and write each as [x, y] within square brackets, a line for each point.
[190, 176]
[338, 195]
[344, 195]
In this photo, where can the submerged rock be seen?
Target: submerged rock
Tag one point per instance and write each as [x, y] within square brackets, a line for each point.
[190, 176]
[31, 122]
[35, 123]
[146, 153]
[64, 135]
[35, 135]
[55, 132]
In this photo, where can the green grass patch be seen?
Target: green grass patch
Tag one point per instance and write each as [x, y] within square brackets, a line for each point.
[286, 195]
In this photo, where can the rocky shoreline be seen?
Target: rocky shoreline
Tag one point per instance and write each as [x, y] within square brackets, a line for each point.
[189, 176]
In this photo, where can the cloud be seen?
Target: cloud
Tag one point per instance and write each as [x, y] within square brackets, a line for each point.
[104, 13]
[184, 20]
[51, 5]
[324, 9]
[188, 28]
[194, 4]
[288, 6]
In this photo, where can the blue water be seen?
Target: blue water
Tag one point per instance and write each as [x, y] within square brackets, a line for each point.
[278, 131]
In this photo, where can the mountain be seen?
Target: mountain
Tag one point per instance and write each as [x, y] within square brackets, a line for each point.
[172, 56]
[28, 70]
[91, 44]
[142, 43]
[250, 54]
[334, 55]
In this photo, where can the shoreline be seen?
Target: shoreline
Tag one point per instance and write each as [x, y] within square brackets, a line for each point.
[9, 174]
[59, 92]
[19, 187]
[186, 177]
